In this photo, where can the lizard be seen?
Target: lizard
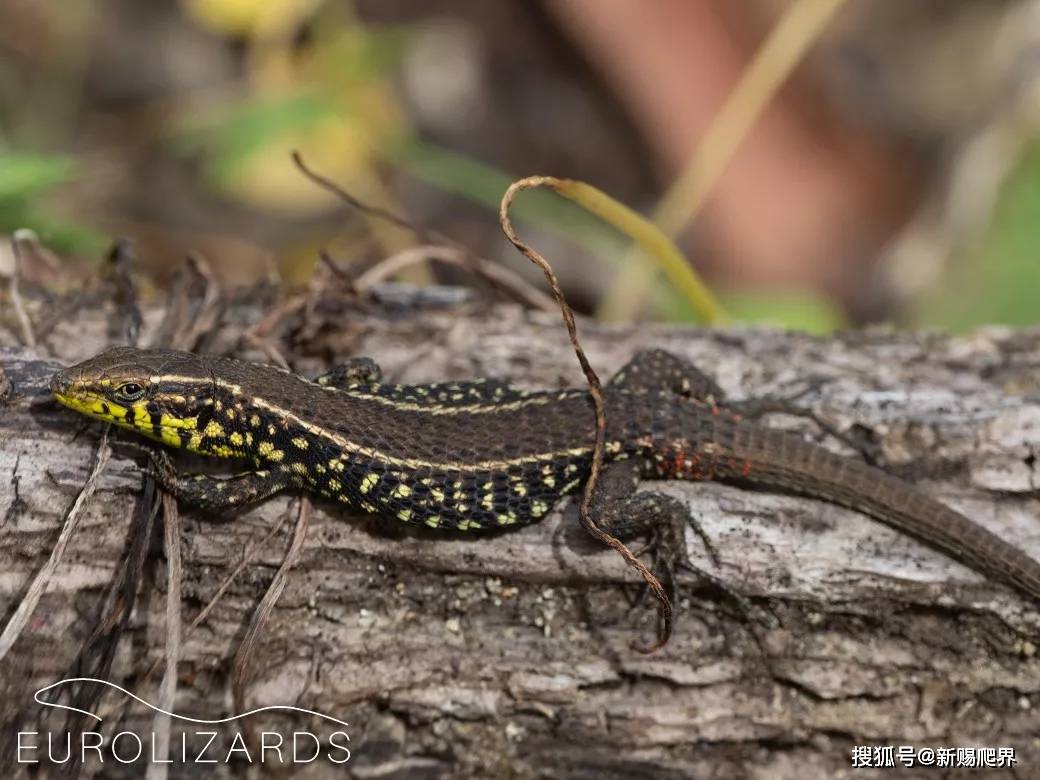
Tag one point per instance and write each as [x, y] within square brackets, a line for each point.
[485, 455]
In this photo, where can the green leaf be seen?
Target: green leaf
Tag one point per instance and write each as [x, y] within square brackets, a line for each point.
[790, 309]
[229, 138]
[24, 175]
[997, 280]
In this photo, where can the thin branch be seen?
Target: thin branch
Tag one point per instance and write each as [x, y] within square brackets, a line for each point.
[121, 256]
[447, 249]
[495, 274]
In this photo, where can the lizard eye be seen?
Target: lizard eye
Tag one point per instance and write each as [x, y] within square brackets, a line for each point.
[129, 391]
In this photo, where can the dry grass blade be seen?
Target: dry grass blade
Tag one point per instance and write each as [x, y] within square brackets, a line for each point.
[28, 336]
[596, 391]
[801, 25]
[168, 687]
[240, 666]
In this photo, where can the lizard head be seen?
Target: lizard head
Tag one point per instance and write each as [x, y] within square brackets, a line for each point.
[157, 392]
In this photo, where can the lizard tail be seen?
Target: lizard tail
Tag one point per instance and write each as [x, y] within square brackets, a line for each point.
[769, 458]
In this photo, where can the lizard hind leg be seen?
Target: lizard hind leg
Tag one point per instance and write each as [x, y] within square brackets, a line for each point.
[655, 370]
[659, 518]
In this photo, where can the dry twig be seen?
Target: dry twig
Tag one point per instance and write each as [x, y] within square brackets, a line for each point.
[240, 665]
[596, 391]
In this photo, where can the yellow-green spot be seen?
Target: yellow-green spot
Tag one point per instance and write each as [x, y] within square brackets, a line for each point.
[402, 491]
[369, 481]
[236, 439]
[433, 521]
[300, 443]
[405, 515]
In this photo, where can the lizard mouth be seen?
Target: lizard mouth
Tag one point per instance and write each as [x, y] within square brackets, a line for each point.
[99, 407]
[95, 406]
[157, 425]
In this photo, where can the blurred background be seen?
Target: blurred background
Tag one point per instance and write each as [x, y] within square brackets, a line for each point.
[821, 163]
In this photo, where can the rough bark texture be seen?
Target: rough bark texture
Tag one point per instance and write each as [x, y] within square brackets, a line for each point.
[510, 655]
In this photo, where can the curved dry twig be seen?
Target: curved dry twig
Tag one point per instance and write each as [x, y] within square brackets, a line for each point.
[596, 391]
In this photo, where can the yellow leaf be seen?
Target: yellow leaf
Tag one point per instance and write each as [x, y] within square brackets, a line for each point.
[251, 18]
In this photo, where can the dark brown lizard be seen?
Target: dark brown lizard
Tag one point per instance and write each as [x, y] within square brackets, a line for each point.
[485, 455]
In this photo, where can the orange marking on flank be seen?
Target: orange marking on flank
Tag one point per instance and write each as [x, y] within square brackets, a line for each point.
[678, 462]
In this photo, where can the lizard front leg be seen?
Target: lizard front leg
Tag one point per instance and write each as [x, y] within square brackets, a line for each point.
[215, 494]
[354, 372]
[655, 370]
[660, 518]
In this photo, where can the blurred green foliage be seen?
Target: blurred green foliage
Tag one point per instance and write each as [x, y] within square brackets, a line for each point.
[26, 180]
[997, 280]
[233, 135]
[791, 309]
[337, 94]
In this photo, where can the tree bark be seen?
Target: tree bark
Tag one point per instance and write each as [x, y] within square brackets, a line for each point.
[510, 655]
